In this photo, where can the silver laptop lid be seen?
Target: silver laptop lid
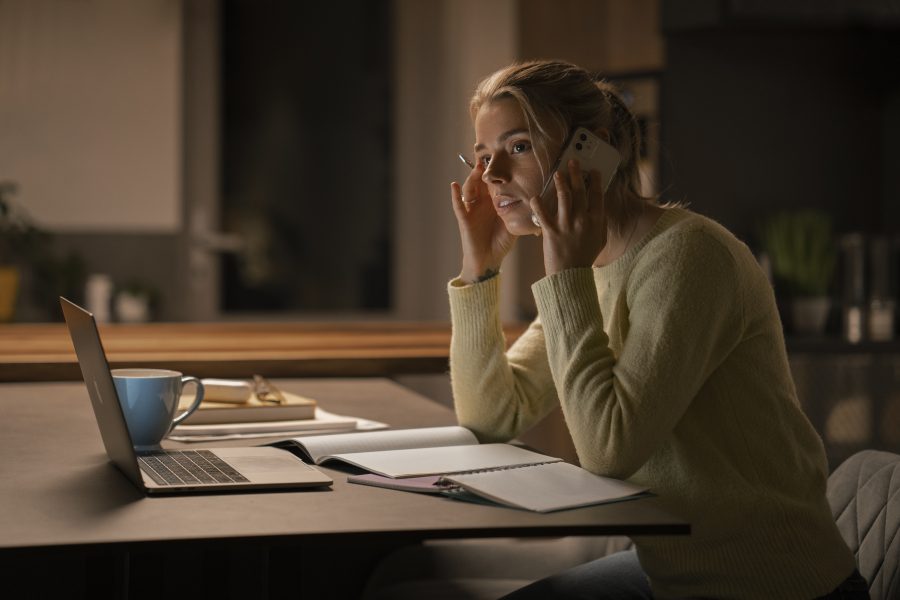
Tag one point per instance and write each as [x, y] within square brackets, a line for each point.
[101, 389]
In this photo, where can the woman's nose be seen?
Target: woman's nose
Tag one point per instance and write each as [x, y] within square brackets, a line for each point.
[497, 171]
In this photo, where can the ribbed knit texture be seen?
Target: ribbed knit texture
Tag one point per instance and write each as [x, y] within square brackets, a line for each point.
[671, 371]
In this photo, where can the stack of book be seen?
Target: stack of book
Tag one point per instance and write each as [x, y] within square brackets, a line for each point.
[235, 408]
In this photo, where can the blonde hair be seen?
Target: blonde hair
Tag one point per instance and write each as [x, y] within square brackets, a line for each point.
[556, 97]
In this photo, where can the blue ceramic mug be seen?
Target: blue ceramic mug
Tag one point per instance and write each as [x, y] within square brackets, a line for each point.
[149, 399]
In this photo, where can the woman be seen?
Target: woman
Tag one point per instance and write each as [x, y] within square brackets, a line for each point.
[658, 336]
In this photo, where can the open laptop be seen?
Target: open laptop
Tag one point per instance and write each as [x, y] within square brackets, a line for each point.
[175, 471]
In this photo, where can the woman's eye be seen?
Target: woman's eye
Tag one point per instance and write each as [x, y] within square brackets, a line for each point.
[485, 160]
[520, 147]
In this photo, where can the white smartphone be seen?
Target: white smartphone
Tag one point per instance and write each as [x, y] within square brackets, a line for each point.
[592, 153]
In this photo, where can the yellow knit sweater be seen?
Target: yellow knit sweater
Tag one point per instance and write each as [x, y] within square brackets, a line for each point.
[671, 371]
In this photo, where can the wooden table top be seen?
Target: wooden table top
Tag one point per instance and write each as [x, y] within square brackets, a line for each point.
[43, 352]
[73, 525]
[60, 490]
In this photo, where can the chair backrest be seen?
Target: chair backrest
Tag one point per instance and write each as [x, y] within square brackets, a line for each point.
[864, 494]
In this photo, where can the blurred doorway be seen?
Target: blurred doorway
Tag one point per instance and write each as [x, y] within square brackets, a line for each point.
[299, 220]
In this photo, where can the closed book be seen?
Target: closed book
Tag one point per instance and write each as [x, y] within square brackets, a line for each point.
[294, 408]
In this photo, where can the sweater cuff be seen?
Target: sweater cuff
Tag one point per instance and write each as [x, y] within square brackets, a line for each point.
[567, 301]
[475, 309]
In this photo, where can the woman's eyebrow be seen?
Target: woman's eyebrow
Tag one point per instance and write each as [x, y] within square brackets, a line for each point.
[504, 136]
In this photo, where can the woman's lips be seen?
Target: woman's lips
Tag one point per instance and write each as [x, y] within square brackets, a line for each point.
[505, 203]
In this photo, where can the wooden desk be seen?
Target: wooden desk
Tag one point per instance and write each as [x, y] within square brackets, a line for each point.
[67, 512]
[43, 352]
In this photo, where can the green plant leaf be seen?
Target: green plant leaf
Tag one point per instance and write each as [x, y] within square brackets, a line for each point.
[802, 250]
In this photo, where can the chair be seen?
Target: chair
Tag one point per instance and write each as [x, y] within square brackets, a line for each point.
[864, 494]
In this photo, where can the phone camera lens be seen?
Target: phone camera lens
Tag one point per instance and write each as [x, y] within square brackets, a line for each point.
[578, 146]
[583, 137]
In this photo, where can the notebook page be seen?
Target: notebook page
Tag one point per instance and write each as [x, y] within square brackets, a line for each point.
[418, 462]
[545, 488]
[319, 447]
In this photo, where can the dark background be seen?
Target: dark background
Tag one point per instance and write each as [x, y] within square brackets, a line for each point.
[307, 154]
[775, 109]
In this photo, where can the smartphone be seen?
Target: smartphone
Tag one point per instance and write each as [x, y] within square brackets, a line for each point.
[592, 153]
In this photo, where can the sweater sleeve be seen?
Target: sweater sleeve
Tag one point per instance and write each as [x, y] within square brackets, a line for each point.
[497, 393]
[683, 316]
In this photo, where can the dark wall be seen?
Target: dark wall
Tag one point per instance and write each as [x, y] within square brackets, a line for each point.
[758, 118]
[150, 260]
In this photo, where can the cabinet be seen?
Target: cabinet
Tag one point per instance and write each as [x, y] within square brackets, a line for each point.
[851, 394]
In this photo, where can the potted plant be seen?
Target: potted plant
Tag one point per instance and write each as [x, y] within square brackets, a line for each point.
[20, 242]
[801, 248]
[28, 263]
[134, 302]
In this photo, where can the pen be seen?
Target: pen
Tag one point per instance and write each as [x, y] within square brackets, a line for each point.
[465, 161]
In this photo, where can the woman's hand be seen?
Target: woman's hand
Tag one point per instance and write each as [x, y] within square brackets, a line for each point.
[576, 232]
[485, 239]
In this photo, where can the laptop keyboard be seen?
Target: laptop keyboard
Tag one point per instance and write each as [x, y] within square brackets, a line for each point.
[194, 467]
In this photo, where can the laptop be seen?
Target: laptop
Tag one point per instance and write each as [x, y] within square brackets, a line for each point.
[175, 471]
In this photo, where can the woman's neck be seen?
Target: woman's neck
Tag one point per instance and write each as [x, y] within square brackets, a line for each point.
[628, 231]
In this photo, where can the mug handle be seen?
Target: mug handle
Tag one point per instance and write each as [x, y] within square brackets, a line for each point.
[197, 400]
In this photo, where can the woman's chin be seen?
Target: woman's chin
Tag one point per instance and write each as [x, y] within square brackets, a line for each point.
[521, 225]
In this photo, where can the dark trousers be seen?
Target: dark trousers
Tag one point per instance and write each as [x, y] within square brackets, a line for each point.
[620, 577]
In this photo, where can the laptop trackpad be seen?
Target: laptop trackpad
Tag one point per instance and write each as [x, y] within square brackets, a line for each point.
[271, 465]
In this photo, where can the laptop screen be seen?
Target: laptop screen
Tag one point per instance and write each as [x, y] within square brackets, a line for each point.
[102, 390]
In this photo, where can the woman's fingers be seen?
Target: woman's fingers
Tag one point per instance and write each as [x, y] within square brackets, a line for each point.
[596, 199]
[465, 197]
[563, 198]
[576, 184]
[456, 199]
[471, 188]
[537, 212]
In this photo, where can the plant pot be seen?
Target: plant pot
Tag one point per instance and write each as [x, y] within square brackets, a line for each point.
[9, 290]
[809, 315]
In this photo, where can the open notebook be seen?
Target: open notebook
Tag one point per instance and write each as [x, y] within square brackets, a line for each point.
[450, 461]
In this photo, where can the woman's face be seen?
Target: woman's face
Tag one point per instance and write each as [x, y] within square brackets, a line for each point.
[512, 172]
